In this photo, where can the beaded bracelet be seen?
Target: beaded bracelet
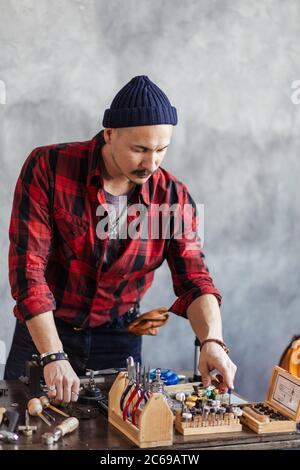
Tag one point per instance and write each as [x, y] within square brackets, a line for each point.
[214, 340]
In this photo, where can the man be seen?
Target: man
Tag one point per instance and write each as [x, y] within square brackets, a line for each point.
[76, 290]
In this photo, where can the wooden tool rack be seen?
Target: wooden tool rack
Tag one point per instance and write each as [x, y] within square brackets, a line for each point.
[155, 420]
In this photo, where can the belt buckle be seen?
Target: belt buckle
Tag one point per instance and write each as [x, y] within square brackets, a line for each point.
[131, 314]
[77, 328]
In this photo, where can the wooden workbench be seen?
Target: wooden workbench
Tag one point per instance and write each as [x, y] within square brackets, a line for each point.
[97, 434]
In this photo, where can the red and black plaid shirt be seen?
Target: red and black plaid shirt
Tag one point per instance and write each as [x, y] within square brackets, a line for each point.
[56, 258]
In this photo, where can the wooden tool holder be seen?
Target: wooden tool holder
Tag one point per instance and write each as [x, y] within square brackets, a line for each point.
[155, 421]
[283, 397]
[210, 427]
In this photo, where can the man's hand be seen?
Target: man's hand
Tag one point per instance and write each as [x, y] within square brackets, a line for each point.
[212, 357]
[62, 382]
[149, 322]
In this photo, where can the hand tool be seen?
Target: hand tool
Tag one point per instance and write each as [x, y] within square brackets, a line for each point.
[67, 426]
[130, 400]
[197, 375]
[48, 415]
[46, 404]
[27, 430]
[157, 385]
[131, 380]
[2, 412]
[90, 393]
[144, 396]
[8, 426]
[35, 408]
[229, 391]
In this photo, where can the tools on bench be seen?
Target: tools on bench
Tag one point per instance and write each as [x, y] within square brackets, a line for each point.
[90, 393]
[67, 426]
[39, 406]
[280, 412]
[206, 411]
[139, 409]
[46, 404]
[8, 423]
[26, 429]
[35, 408]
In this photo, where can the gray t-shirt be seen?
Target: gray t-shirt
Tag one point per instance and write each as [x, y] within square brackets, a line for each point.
[114, 245]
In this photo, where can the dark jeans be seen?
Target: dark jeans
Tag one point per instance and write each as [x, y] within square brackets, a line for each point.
[92, 348]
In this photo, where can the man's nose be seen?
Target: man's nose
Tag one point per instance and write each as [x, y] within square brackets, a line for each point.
[150, 163]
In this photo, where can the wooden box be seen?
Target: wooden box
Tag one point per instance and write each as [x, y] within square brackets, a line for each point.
[283, 397]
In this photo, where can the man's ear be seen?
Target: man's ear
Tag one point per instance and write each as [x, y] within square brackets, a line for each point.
[108, 134]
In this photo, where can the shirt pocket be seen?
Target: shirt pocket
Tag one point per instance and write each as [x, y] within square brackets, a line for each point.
[72, 234]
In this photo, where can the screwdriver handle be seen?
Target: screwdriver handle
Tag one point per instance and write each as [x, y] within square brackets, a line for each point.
[68, 425]
[2, 412]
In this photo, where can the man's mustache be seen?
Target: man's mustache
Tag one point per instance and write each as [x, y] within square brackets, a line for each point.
[141, 173]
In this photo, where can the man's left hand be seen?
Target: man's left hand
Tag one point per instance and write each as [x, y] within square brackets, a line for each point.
[212, 357]
[149, 322]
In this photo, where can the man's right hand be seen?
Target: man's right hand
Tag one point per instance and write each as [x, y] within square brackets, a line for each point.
[62, 382]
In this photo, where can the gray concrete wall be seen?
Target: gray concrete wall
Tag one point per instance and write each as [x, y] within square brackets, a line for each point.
[228, 67]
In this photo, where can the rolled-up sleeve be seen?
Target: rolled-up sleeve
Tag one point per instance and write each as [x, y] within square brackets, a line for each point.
[185, 258]
[30, 239]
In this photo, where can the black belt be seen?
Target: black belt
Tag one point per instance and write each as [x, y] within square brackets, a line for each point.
[116, 323]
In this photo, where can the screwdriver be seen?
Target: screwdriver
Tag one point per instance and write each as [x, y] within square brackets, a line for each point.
[35, 408]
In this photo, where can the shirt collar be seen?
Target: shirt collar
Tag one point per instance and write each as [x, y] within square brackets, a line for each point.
[94, 171]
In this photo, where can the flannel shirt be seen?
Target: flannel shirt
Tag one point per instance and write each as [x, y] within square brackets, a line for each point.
[56, 257]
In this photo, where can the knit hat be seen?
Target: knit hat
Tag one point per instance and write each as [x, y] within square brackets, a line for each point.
[140, 103]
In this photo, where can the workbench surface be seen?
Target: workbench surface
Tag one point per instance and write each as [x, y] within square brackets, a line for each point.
[97, 434]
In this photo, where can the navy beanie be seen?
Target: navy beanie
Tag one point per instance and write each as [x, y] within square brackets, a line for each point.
[140, 103]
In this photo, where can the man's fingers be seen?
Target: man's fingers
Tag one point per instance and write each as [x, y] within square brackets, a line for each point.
[228, 374]
[161, 309]
[75, 391]
[205, 375]
[153, 331]
[61, 381]
[51, 390]
[59, 391]
[67, 384]
[151, 324]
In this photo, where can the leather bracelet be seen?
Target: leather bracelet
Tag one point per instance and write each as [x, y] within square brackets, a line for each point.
[214, 340]
[41, 356]
[52, 357]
